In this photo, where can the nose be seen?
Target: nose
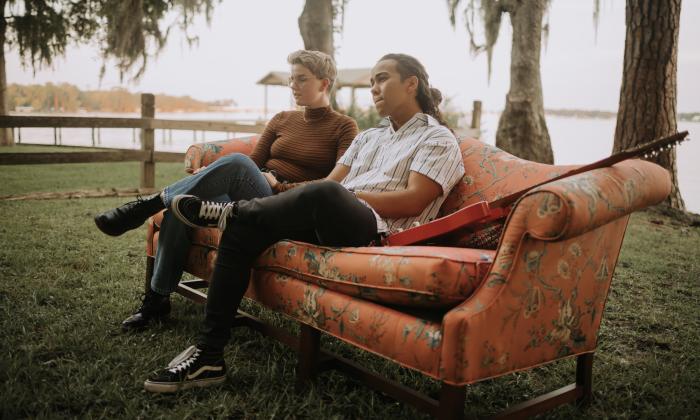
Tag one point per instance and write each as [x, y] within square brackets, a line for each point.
[374, 90]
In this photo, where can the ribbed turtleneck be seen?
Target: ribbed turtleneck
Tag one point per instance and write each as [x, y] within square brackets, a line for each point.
[304, 145]
[315, 114]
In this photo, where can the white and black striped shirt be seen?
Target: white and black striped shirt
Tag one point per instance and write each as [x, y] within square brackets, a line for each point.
[380, 159]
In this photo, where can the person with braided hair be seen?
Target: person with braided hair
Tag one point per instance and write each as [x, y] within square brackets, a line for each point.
[390, 178]
[428, 97]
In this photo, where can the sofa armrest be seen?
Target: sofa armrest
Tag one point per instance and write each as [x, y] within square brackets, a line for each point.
[203, 154]
[572, 206]
[544, 296]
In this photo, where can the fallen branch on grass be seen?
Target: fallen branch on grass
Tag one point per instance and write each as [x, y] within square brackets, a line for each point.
[98, 193]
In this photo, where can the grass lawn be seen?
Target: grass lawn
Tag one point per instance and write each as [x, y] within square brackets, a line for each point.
[22, 179]
[65, 287]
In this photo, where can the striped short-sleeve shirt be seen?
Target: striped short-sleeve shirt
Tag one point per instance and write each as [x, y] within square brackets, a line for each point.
[381, 159]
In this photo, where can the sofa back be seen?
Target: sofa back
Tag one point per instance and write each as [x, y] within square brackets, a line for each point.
[492, 173]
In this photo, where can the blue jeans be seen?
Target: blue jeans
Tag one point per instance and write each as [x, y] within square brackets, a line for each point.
[230, 178]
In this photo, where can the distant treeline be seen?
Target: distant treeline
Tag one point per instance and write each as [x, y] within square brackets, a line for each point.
[582, 113]
[68, 98]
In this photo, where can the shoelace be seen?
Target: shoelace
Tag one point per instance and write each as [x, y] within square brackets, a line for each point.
[221, 211]
[225, 214]
[138, 200]
[185, 363]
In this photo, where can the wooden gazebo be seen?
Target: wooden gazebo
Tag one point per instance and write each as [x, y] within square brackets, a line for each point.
[352, 78]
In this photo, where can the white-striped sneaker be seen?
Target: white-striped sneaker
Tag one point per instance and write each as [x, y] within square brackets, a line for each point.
[191, 368]
[195, 212]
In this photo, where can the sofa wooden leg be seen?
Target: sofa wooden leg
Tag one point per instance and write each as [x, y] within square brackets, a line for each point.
[309, 352]
[452, 399]
[150, 261]
[584, 378]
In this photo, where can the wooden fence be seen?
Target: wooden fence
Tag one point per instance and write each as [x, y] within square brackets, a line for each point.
[147, 124]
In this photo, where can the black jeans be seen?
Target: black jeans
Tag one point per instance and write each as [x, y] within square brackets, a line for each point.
[322, 213]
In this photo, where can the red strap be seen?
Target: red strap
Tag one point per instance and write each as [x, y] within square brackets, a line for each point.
[438, 227]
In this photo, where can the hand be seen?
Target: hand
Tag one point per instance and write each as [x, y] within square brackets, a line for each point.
[198, 170]
[271, 180]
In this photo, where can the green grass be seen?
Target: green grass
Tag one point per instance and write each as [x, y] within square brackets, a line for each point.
[22, 179]
[65, 287]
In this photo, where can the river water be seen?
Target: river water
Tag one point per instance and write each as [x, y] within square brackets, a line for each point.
[574, 141]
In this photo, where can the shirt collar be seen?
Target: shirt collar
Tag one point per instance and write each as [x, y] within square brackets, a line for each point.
[424, 118]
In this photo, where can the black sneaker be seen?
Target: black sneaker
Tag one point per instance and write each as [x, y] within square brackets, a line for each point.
[128, 216]
[194, 212]
[154, 307]
[191, 368]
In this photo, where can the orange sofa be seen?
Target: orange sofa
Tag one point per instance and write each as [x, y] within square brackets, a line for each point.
[453, 313]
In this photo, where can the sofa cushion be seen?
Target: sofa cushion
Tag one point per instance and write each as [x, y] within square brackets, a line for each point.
[419, 276]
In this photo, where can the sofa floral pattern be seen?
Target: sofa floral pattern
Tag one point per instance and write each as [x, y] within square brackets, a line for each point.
[203, 154]
[539, 297]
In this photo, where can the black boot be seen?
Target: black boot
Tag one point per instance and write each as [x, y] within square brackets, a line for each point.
[128, 216]
[154, 307]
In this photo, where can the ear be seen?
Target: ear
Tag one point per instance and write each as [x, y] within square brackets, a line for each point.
[411, 84]
[325, 86]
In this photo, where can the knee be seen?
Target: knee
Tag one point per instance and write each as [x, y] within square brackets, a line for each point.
[324, 191]
[235, 161]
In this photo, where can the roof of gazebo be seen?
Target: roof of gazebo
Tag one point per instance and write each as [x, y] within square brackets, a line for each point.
[358, 78]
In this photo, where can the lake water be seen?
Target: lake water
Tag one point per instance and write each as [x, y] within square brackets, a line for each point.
[586, 140]
[574, 141]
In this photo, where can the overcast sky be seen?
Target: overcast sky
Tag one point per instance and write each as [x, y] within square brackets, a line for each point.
[246, 39]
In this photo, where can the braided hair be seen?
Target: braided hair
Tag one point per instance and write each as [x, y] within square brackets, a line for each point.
[428, 97]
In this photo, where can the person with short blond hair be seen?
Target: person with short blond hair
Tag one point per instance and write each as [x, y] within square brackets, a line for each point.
[319, 63]
[295, 146]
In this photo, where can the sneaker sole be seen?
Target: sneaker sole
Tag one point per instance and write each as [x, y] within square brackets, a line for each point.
[140, 328]
[167, 387]
[176, 211]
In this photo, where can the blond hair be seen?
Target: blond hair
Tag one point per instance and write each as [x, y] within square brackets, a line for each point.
[319, 63]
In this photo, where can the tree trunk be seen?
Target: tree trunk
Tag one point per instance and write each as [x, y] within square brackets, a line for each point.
[648, 94]
[316, 26]
[6, 138]
[522, 129]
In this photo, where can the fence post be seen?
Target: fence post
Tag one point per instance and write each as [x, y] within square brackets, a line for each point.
[476, 115]
[93, 136]
[148, 166]
[55, 136]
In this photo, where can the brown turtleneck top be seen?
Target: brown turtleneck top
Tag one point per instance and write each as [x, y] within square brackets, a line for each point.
[304, 145]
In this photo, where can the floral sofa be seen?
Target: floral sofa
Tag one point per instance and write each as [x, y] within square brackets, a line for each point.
[456, 314]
